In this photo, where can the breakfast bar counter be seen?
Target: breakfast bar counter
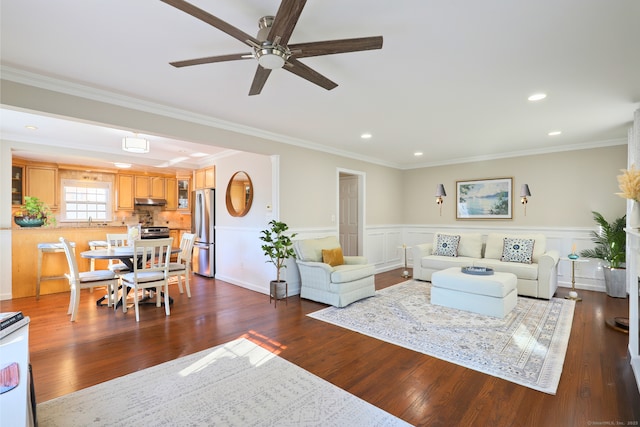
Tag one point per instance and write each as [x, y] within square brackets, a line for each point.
[24, 256]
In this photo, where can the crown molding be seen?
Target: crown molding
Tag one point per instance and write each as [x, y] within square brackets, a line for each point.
[83, 91]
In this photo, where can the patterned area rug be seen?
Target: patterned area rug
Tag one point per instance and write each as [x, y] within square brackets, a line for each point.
[527, 347]
[235, 384]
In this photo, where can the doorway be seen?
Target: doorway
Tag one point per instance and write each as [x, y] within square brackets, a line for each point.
[351, 211]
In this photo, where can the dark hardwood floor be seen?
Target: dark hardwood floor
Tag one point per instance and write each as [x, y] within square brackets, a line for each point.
[597, 386]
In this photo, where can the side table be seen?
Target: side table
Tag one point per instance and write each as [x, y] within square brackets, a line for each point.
[573, 295]
[405, 272]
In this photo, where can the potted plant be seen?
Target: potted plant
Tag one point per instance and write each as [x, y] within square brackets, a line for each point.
[611, 247]
[34, 213]
[278, 247]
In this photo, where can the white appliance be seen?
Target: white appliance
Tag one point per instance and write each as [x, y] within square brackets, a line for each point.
[204, 248]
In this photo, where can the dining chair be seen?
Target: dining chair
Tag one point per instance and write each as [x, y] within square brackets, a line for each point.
[115, 240]
[85, 280]
[182, 266]
[150, 271]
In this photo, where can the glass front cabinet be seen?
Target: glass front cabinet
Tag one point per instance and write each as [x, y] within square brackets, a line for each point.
[17, 185]
[184, 194]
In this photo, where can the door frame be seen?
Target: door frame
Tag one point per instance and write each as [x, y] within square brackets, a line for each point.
[361, 176]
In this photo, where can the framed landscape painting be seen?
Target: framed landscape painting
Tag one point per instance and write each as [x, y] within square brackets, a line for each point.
[484, 199]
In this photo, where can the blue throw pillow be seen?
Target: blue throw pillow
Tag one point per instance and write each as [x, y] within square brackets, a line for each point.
[447, 245]
[517, 250]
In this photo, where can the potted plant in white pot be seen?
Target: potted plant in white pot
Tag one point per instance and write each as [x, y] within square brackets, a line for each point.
[278, 247]
[611, 247]
[34, 213]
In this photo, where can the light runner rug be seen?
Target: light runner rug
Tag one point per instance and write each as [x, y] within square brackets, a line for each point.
[235, 384]
[527, 347]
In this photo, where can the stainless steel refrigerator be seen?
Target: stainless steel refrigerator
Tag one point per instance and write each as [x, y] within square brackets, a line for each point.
[203, 217]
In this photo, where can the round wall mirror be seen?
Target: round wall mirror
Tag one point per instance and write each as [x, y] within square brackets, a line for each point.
[239, 194]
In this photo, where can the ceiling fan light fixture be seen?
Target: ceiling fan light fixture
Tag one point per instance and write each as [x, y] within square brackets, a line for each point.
[134, 144]
[271, 57]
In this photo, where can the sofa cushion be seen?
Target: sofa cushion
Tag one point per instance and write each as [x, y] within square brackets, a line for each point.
[495, 244]
[517, 250]
[522, 271]
[446, 245]
[435, 262]
[333, 256]
[349, 273]
[470, 244]
[311, 249]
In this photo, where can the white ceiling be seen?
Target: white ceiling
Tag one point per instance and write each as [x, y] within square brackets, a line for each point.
[451, 80]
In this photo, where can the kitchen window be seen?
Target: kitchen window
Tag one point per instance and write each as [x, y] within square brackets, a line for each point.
[82, 200]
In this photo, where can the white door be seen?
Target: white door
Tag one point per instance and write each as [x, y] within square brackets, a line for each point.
[349, 214]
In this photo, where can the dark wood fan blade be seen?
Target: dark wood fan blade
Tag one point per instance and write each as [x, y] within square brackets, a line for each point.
[259, 80]
[211, 20]
[330, 47]
[286, 20]
[307, 73]
[211, 59]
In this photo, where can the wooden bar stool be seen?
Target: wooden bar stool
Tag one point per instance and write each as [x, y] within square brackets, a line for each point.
[48, 248]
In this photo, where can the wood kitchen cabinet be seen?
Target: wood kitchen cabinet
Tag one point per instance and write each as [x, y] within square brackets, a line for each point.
[42, 182]
[125, 192]
[206, 178]
[171, 193]
[149, 186]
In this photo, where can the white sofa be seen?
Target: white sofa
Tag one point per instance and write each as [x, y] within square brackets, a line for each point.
[338, 285]
[538, 279]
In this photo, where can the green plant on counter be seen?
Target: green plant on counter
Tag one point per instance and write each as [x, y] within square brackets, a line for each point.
[34, 208]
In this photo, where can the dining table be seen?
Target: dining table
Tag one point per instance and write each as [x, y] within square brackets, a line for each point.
[122, 253]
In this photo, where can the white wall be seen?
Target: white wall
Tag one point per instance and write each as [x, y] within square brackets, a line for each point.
[301, 185]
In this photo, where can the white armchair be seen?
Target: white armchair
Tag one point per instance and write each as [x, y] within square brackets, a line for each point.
[337, 285]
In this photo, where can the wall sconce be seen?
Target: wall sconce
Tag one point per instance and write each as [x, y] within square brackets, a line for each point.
[524, 193]
[440, 193]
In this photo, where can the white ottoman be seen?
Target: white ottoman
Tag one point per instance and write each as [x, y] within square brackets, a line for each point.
[493, 295]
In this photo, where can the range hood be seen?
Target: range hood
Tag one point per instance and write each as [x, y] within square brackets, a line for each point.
[148, 201]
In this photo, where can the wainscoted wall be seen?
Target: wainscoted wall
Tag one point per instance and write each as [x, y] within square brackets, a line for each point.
[242, 262]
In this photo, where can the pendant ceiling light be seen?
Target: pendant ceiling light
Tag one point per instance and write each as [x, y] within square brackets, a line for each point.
[134, 144]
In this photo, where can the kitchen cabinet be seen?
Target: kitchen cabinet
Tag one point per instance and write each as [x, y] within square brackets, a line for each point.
[125, 192]
[171, 193]
[17, 185]
[184, 193]
[42, 182]
[206, 178]
[149, 186]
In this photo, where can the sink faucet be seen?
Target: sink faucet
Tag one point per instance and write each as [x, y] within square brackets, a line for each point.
[89, 221]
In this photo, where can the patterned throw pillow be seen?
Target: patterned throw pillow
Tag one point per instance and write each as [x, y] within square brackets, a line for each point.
[447, 245]
[517, 250]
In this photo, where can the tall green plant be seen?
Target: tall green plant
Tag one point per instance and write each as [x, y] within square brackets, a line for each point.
[610, 241]
[277, 245]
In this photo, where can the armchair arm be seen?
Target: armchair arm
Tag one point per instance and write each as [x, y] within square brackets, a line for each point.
[314, 274]
[352, 260]
[548, 274]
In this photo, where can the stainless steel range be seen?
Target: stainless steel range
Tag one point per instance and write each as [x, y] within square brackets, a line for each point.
[154, 232]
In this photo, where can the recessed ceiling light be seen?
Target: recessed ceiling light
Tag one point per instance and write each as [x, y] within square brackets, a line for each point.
[366, 136]
[418, 153]
[537, 96]
[554, 133]
[31, 127]
[122, 165]
[198, 154]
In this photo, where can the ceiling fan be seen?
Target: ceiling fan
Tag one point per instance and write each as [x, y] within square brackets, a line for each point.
[270, 47]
